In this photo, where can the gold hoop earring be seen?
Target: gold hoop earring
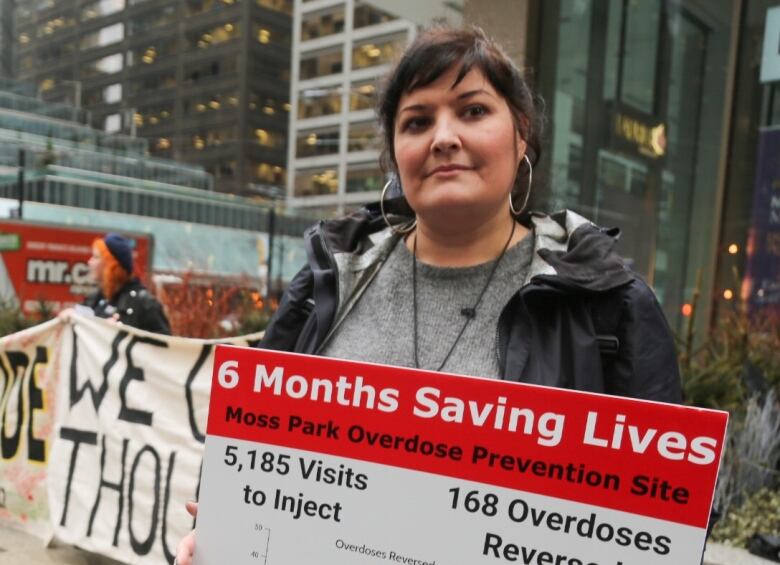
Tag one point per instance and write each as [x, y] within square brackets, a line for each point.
[399, 231]
[527, 192]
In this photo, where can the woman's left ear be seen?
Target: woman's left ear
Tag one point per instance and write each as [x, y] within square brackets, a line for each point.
[521, 147]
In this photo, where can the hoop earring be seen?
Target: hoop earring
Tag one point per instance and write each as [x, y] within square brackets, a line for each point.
[527, 192]
[399, 231]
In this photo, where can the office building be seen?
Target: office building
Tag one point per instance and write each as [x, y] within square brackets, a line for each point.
[204, 81]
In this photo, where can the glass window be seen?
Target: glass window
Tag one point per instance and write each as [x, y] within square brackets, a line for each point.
[150, 54]
[322, 23]
[284, 6]
[314, 102]
[101, 8]
[268, 68]
[268, 138]
[53, 52]
[112, 123]
[640, 52]
[150, 116]
[265, 34]
[211, 137]
[367, 15]
[50, 27]
[321, 63]
[364, 177]
[200, 6]
[210, 69]
[141, 23]
[377, 51]
[363, 136]
[26, 63]
[267, 105]
[210, 103]
[104, 36]
[154, 82]
[267, 173]
[310, 143]
[112, 93]
[104, 66]
[314, 182]
[362, 96]
[213, 36]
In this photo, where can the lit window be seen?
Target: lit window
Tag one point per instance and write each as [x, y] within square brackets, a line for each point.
[377, 52]
[112, 123]
[112, 93]
[362, 96]
[312, 143]
[316, 182]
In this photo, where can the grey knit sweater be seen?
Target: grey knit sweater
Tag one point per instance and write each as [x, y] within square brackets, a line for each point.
[379, 328]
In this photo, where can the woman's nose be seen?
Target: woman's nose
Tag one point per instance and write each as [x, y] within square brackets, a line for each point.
[445, 137]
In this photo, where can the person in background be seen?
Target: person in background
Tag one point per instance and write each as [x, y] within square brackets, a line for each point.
[121, 296]
[450, 272]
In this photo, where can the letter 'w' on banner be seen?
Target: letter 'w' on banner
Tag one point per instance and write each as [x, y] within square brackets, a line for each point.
[314, 460]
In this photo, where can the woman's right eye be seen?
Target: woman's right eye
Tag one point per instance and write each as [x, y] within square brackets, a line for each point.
[415, 124]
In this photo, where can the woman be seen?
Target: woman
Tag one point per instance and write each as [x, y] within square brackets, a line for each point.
[121, 296]
[445, 277]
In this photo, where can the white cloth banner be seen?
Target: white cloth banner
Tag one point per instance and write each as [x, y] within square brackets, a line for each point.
[28, 389]
[125, 435]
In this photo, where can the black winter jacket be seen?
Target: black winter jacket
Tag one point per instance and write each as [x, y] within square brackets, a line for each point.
[581, 320]
[135, 306]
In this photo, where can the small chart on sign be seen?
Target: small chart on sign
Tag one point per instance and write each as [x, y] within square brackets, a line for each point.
[263, 541]
[348, 463]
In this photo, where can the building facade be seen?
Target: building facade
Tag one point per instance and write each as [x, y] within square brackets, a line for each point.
[341, 51]
[7, 39]
[77, 175]
[654, 111]
[204, 81]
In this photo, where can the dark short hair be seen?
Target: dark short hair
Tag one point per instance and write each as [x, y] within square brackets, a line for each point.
[437, 50]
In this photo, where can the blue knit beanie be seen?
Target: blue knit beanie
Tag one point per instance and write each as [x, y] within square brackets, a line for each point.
[121, 248]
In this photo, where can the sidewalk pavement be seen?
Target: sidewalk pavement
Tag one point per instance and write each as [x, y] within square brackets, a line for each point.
[17, 548]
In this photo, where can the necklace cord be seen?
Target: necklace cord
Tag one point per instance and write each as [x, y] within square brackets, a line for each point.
[472, 311]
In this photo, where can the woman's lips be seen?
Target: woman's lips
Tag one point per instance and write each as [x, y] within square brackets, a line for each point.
[448, 171]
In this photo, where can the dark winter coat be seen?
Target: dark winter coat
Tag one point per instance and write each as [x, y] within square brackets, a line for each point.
[135, 307]
[580, 320]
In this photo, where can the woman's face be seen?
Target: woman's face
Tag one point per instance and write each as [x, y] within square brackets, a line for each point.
[457, 148]
[96, 264]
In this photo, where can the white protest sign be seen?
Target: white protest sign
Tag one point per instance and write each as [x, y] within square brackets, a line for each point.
[313, 460]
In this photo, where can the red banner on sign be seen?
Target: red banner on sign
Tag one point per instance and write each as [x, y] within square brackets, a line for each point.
[48, 263]
[645, 458]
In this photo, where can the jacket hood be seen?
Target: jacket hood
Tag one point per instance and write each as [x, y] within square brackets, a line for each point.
[572, 252]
